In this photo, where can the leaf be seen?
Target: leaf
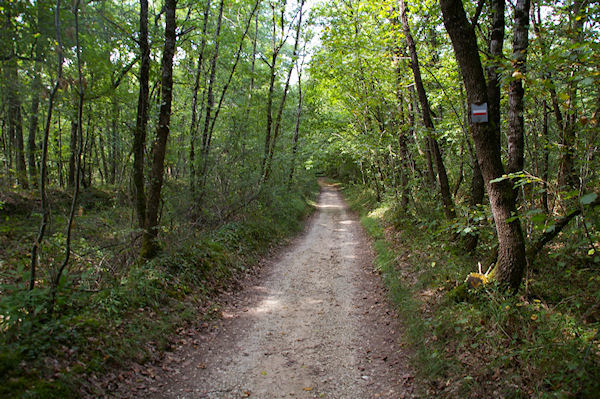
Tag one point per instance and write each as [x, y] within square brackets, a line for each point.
[499, 179]
[308, 388]
[538, 219]
[588, 198]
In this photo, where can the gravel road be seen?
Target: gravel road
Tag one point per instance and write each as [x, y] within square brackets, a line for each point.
[314, 324]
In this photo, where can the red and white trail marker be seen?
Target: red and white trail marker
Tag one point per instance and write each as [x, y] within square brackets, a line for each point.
[479, 113]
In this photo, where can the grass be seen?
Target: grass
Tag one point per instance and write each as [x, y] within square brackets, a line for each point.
[541, 343]
[111, 309]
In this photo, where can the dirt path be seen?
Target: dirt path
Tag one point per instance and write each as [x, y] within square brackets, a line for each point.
[315, 324]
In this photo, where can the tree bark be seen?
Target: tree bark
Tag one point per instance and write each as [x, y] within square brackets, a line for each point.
[149, 245]
[210, 100]
[80, 147]
[15, 119]
[114, 145]
[297, 127]
[194, 121]
[36, 88]
[13, 99]
[73, 152]
[209, 129]
[276, 127]
[139, 135]
[496, 45]
[546, 160]
[511, 259]
[427, 121]
[516, 92]
[43, 164]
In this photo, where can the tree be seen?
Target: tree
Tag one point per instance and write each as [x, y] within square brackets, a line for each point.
[427, 121]
[149, 244]
[511, 260]
[139, 139]
[515, 134]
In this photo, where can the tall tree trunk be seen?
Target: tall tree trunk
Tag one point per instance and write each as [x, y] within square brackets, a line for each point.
[566, 123]
[80, 96]
[516, 92]
[496, 45]
[276, 127]
[73, 152]
[13, 99]
[15, 119]
[217, 110]
[413, 110]
[35, 249]
[36, 88]
[18, 125]
[210, 101]
[114, 133]
[297, 127]
[546, 160]
[139, 134]
[102, 154]
[477, 189]
[567, 175]
[427, 121]
[159, 148]
[402, 132]
[61, 179]
[194, 121]
[511, 260]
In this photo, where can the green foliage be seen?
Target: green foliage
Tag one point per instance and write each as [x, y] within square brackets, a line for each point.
[542, 343]
[129, 312]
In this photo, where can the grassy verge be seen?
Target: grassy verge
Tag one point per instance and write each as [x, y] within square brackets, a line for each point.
[111, 309]
[538, 343]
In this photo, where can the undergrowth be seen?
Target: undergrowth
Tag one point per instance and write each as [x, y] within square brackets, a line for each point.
[540, 343]
[112, 309]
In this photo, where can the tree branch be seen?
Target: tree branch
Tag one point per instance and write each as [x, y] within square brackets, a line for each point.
[549, 235]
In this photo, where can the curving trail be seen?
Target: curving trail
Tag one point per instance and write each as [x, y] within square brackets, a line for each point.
[315, 323]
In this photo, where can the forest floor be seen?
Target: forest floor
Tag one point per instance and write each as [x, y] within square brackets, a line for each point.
[314, 322]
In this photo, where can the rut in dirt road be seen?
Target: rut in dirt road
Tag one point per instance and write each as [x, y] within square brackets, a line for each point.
[315, 325]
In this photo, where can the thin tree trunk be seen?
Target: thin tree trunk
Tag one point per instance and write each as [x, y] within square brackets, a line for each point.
[546, 160]
[516, 92]
[159, 148]
[80, 148]
[73, 152]
[61, 177]
[427, 121]
[139, 135]
[194, 121]
[493, 85]
[36, 88]
[114, 147]
[43, 165]
[210, 99]
[102, 155]
[13, 99]
[272, 75]
[297, 127]
[277, 125]
[549, 234]
[15, 119]
[413, 110]
[211, 128]
[511, 260]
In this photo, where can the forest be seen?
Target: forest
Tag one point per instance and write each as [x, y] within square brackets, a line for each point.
[153, 152]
